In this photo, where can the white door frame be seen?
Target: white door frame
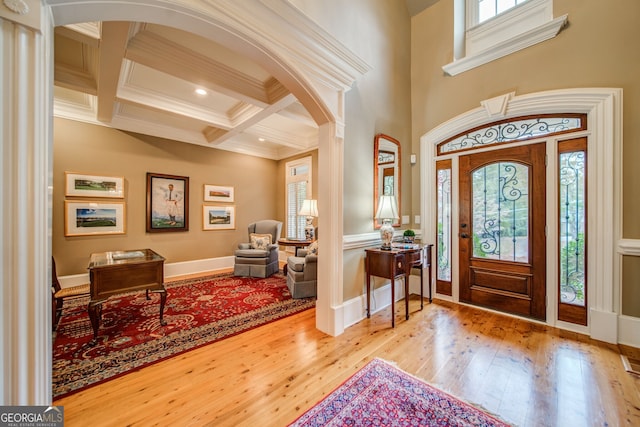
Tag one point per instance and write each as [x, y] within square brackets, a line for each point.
[603, 107]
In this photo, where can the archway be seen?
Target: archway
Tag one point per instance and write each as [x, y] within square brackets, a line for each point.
[270, 33]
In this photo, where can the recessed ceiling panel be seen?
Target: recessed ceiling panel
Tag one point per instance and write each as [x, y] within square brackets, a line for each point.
[148, 79]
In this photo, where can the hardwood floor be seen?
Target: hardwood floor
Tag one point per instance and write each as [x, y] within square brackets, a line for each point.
[526, 373]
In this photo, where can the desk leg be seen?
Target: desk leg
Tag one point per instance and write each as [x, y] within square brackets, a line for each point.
[95, 315]
[163, 300]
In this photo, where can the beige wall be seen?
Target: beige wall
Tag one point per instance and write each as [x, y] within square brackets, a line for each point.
[378, 31]
[91, 149]
[598, 48]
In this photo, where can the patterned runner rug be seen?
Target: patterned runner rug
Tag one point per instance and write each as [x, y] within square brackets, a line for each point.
[198, 312]
[380, 394]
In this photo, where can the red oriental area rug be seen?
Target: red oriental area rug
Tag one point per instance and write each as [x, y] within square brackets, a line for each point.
[198, 312]
[380, 394]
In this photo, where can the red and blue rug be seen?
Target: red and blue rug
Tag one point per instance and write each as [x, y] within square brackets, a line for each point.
[380, 394]
[198, 312]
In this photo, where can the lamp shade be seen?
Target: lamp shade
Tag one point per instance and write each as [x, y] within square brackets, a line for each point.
[387, 208]
[309, 208]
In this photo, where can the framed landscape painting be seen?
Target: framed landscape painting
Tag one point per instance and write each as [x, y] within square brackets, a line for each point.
[218, 217]
[167, 203]
[217, 193]
[86, 218]
[80, 185]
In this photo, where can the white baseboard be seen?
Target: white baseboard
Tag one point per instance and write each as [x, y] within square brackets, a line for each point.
[629, 331]
[170, 270]
[355, 309]
[604, 326]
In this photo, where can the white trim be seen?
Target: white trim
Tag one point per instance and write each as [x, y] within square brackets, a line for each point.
[629, 247]
[507, 47]
[522, 26]
[629, 331]
[26, 75]
[603, 107]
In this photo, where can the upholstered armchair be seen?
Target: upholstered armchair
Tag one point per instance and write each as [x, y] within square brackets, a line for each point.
[259, 257]
[302, 272]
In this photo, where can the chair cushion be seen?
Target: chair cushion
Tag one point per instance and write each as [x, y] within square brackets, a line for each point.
[312, 249]
[295, 263]
[260, 241]
[73, 291]
[252, 253]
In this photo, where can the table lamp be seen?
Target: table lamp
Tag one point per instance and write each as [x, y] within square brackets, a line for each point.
[388, 213]
[309, 209]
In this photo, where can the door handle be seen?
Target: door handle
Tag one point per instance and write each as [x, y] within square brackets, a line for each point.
[464, 235]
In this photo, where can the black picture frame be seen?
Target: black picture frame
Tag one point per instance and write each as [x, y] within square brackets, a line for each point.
[167, 203]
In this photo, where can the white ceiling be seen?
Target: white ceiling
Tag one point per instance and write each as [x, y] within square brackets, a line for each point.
[142, 78]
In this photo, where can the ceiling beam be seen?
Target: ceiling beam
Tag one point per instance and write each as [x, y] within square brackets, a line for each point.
[155, 51]
[112, 48]
[216, 138]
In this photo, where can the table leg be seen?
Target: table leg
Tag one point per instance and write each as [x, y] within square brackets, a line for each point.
[422, 289]
[406, 296]
[95, 315]
[393, 301]
[368, 295]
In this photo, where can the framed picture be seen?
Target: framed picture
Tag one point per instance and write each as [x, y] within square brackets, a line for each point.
[217, 193]
[218, 217]
[93, 185]
[85, 218]
[167, 203]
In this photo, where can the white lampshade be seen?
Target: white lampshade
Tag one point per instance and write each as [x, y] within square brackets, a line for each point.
[309, 208]
[387, 208]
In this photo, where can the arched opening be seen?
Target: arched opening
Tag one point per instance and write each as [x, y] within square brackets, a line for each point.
[317, 82]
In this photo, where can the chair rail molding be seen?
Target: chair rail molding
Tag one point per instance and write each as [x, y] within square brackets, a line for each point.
[629, 247]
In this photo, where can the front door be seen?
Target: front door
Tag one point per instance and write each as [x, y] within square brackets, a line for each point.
[502, 230]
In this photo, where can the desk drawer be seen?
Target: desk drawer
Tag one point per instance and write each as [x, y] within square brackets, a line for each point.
[413, 257]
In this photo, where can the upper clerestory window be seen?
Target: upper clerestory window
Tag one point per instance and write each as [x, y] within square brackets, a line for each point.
[485, 30]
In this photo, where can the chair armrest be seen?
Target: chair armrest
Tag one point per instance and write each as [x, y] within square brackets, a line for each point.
[244, 245]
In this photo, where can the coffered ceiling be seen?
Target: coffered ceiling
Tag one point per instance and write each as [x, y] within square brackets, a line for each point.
[143, 78]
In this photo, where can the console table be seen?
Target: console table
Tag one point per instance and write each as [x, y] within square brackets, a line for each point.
[391, 264]
[117, 272]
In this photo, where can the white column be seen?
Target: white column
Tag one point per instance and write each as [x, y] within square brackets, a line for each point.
[329, 305]
[25, 207]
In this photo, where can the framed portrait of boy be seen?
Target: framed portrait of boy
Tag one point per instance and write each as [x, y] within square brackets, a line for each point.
[167, 203]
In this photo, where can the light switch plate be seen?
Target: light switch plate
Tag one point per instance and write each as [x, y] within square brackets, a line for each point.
[417, 219]
[405, 219]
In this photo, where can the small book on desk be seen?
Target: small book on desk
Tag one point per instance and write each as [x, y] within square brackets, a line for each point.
[401, 245]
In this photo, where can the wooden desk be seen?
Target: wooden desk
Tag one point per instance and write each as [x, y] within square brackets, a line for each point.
[113, 273]
[391, 264]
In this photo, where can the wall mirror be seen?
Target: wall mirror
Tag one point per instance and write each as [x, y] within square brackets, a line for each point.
[386, 172]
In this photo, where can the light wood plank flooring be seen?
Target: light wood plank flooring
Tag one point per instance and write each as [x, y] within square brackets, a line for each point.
[528, 374]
